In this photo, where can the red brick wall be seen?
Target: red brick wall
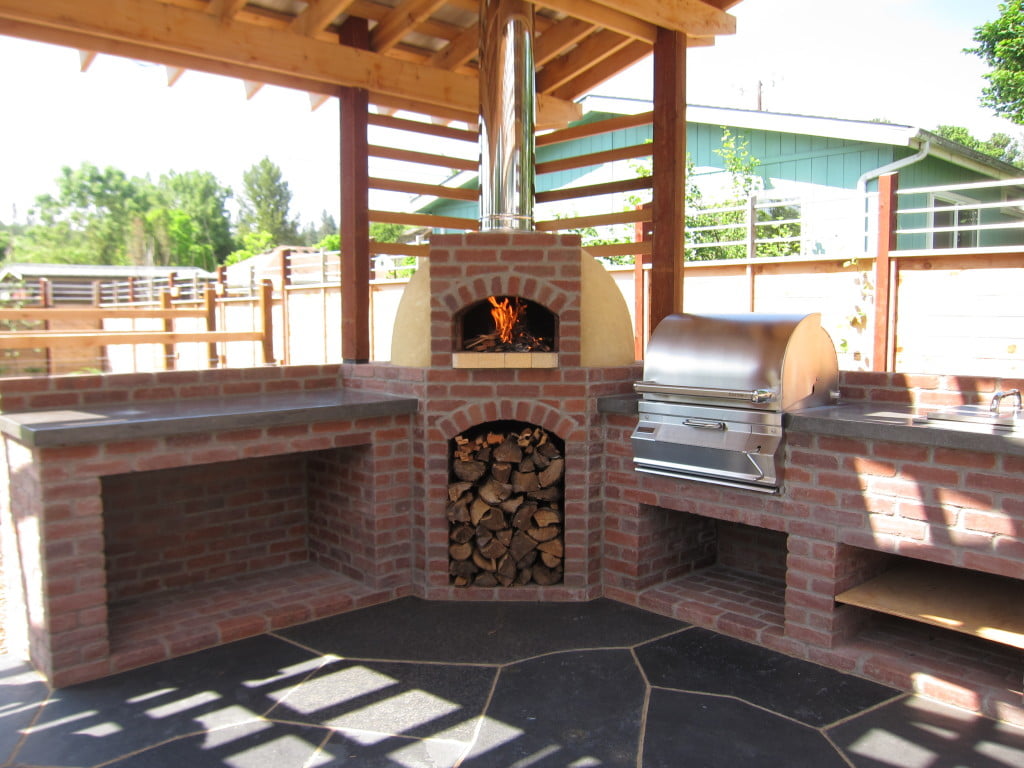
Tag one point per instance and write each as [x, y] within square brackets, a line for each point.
[76, 391]
[928, 390]
[174, 528]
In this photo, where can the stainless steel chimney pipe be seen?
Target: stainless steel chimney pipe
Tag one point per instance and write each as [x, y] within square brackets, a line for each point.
[507, 115]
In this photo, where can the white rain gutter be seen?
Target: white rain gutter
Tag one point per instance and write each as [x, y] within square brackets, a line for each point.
[921, 154]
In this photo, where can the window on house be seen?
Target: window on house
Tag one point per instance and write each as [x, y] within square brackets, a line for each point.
[959, 224]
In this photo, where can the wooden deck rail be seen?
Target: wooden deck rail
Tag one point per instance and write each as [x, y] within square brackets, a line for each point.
[51, 339]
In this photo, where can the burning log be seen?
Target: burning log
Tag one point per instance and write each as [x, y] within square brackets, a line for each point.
[511, 333]
[506, 523]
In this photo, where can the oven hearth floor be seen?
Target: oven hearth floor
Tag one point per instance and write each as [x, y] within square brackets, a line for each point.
[412, 683]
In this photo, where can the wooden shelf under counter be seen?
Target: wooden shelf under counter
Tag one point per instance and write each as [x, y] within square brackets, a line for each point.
[974, 603]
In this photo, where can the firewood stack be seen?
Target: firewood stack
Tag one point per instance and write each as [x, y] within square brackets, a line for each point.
[505, 509]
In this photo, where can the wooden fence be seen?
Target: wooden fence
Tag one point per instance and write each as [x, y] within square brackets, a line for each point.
[70, 339]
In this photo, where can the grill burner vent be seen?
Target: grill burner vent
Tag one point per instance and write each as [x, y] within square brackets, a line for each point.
[716, 388]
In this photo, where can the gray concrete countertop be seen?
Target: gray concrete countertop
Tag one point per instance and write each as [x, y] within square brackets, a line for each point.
[874, 421]
[104, 423]
[902, 424]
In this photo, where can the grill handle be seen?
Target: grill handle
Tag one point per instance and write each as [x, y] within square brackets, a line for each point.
[747, 395]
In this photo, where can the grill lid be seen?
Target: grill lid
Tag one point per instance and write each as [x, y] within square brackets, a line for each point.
[755, 360]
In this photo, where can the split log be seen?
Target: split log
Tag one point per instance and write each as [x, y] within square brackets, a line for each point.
[485, 579]
[511, 504]
[469, 470]
[546, 576]
[494, 492]
[552, 473]
[546, 516]
[462, 551]
[482, 562]
[546, 533]
[521, 545]
[492, 520]
[549, 560]
[524, 516]
[524, 482]
[553, 547]
[552, 493]
[455, 490]
[509, 451]
[458, 512]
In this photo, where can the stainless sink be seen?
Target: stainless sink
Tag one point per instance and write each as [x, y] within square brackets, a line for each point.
[1005, 418]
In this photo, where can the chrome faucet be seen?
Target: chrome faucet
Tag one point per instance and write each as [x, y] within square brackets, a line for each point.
[998, 396]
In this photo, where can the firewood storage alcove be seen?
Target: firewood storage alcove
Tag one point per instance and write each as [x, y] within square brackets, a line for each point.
[505, 510]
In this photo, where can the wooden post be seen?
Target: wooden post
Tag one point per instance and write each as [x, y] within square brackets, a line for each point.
[641, 293]
[210, 306]
[266, 320]
[46, 301]
[168, 325]
[286, 280]
[131, 290]
[669, 170]
[355, 204]
[884, 327]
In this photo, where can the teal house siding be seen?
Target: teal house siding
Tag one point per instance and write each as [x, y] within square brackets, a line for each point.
[809, 157]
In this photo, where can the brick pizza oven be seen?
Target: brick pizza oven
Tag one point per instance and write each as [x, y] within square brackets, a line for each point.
[554, 391]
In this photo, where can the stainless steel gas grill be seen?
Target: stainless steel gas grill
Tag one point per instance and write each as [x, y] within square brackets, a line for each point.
[715, 390]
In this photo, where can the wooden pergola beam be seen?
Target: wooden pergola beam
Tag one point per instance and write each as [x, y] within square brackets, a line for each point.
[694, 17]
[604, 16]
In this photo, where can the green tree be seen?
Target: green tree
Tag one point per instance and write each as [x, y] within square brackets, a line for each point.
[198, 196]
[91, 218]
[1000, 145]
[253, 244]
[264, 204]
[313, 233]
[1001, 46]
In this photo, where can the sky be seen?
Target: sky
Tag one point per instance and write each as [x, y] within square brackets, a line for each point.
[898, 60]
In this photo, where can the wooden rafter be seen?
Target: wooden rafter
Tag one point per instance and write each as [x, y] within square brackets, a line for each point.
[588, 79]
[318, 14]
[559, 38]
[225, 10]
[458, 51]
[85, 60]
[595, 48]
[406, 15]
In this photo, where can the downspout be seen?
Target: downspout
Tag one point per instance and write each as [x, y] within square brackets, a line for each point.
[862, 182]
[921, 154]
